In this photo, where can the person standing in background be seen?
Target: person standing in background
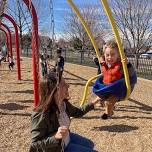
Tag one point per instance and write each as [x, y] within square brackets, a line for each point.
[59, 64]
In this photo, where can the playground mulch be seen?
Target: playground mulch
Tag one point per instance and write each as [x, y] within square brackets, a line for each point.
[130, 129]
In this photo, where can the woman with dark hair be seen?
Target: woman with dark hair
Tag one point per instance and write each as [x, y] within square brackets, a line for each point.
[51, 119]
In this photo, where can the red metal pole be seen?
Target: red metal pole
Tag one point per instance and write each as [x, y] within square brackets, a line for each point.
[16, 43]
[3, 26]
[7, 38]
[35, 56]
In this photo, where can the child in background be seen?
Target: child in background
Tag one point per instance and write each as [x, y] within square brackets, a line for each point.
[44, 61]
[10, 62]
[95, 60]
[112, 70]
[59, 65]
[97, 63]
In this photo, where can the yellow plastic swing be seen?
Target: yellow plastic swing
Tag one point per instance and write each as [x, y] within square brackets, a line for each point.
[117, 37]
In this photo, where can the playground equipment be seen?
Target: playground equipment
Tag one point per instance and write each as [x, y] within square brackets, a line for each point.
[7, 38]
[117, 88]
[125, 86]
[16, 43]
[5, 27]
[35, 58]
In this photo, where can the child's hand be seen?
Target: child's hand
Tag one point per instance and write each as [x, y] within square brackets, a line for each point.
[125, 60]
[101, 59]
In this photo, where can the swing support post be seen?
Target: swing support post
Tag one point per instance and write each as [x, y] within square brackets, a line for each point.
[7, 38]
[16, 43]
[35, 55]
[5, 27]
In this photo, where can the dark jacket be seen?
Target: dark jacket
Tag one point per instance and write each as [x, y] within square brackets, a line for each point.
[45, 125]
[60, 63]
[97, 64]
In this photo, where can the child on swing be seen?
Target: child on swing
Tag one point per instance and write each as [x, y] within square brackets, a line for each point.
[112, 70]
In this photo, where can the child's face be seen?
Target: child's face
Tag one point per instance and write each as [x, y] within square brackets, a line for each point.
[111, 55]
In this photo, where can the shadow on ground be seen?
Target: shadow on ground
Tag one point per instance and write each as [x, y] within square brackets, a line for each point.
[25, 101]
[142, 105]
[138, 107]
[12, 106]
[76, 76]
[70, 78]
[23, 91]
[76, 83]
[16, 114]
[116, 128]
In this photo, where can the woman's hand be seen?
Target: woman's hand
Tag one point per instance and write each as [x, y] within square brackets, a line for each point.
[62, 131]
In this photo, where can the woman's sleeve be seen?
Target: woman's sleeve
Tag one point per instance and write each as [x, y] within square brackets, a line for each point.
[49, 142]
[40, 136]
[78, 112]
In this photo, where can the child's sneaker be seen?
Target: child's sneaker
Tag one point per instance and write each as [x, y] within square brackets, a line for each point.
[105, 116]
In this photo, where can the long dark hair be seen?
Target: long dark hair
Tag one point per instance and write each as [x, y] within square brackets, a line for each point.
[47, 88]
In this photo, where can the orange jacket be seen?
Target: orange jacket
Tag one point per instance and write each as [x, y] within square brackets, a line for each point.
[113, 73]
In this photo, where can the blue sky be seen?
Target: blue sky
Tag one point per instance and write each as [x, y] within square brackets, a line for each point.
[60, 6]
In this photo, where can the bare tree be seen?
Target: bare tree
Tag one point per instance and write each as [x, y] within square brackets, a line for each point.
[20, 13]
[22, 16]
[134, 19]
[74, 29]
[26, 43]
[2, 39]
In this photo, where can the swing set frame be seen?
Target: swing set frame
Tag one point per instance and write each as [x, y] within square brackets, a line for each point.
[35, 56]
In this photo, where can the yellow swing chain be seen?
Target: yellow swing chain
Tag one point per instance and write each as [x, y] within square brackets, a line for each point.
[85, 93]
[118, 40]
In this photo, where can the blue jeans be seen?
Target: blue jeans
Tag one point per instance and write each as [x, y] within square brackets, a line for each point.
[79, 144]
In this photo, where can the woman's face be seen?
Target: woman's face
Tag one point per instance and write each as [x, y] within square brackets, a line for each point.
[62, 92]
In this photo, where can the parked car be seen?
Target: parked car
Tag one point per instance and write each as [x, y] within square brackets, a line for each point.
[147, 55]
[129, 55]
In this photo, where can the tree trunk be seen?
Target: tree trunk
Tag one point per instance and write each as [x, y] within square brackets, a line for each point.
[82, 55]
[27, 51]
[21, 39]
[136, 61]
[65, 54]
